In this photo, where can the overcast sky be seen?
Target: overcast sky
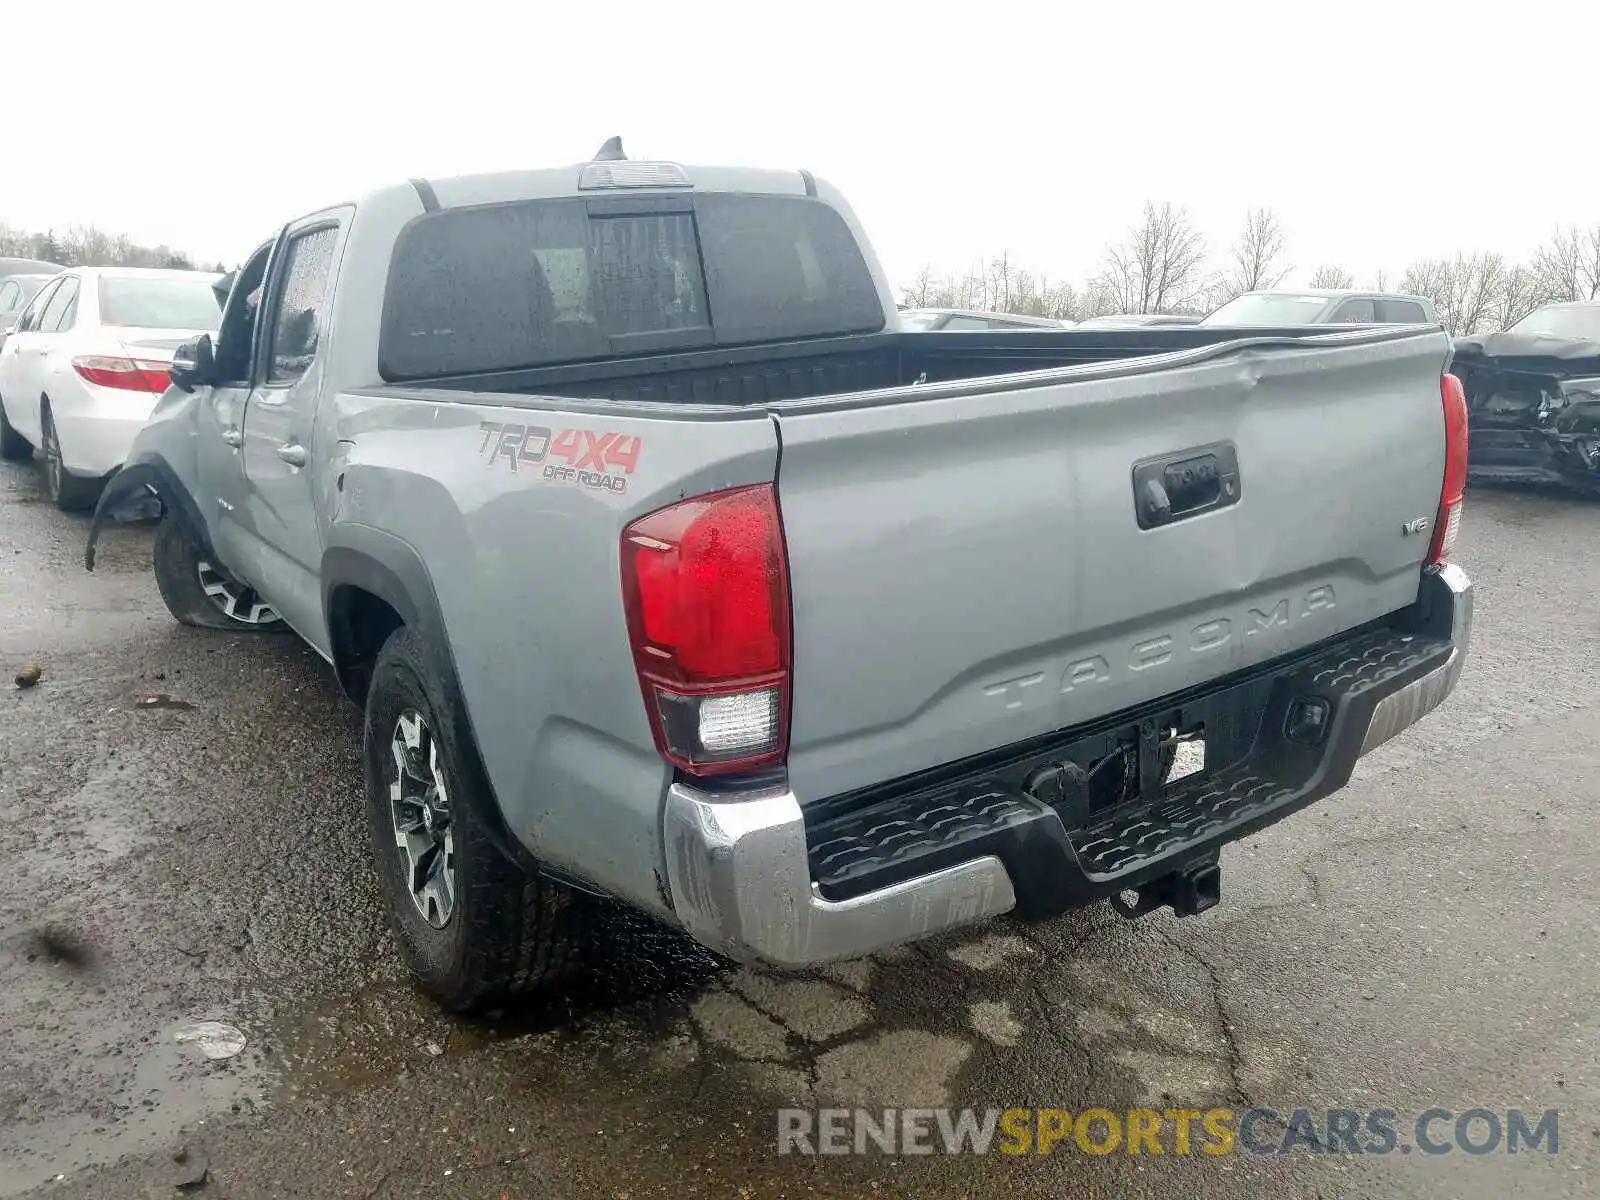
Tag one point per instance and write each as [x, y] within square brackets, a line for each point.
[1379, 133]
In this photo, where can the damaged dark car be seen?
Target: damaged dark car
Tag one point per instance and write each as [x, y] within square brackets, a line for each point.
[1533, 398]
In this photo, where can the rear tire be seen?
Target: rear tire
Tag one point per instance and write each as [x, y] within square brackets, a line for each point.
[184, 578]
[474, 928]
[13, 446]
[68, 492]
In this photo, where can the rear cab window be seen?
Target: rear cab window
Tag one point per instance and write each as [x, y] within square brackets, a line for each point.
[1357, 311]
[1404, 312]
[542, 282]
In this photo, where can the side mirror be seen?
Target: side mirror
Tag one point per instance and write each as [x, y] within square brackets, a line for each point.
[194, 364]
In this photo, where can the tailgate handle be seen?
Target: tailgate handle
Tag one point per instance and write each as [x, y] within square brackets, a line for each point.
[1173, 487]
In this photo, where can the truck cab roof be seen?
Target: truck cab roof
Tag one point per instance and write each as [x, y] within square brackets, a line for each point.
[602, 178]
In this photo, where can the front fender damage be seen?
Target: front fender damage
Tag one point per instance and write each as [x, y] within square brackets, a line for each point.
[161, 474]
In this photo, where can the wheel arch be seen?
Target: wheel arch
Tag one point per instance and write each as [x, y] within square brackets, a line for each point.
[154, 474]
[373, 583]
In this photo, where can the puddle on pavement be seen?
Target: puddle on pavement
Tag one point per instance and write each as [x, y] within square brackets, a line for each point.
[646, 977]
[171, 1090]
[162, 701]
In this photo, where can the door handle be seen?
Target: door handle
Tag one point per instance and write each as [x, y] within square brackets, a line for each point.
[233, 437]
[293, 453]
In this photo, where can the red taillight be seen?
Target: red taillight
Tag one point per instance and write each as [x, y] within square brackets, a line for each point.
[1448, 519]
[705, 584]
[125, 374]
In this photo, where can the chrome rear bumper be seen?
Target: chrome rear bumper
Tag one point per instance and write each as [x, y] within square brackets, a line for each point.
[741, 884]
[741, 881]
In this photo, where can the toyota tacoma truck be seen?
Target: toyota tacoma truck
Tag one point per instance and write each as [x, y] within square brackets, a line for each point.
[667, 569]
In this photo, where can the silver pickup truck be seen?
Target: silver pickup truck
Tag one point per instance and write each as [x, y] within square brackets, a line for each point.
[667, 569]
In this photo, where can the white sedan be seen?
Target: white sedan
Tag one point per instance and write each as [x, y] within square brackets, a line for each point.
[87, 362]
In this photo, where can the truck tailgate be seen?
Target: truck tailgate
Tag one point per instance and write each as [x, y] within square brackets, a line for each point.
[968, 563]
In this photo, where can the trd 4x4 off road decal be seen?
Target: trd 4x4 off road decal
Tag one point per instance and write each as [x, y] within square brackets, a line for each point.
[590, 458]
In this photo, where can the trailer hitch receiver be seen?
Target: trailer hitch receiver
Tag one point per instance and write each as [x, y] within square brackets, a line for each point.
[1191, 889]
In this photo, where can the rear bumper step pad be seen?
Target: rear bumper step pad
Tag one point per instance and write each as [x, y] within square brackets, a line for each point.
[1054, 868]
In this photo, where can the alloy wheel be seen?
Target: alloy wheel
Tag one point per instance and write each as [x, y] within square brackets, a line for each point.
[419, 804]
[237, 601]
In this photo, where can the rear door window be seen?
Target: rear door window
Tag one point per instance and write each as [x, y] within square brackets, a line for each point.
[54, 317]
[29, 320]
[551, 281]
[69, 314]
[297, 317]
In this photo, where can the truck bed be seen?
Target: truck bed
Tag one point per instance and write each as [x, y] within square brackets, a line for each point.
[833, 366]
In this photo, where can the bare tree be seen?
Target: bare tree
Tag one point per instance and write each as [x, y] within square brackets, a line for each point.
[1059, 301]
[1568, 266]
[1257, 257]
[1430, 279]
[1520, 293]
[1158, 267]
[87, 246]
[1480, 283]
[1329, 276]
[920, 293]
[972, 289]
[1026, 298]
[1097, 300]
[999, 287]
[1001, 284]
[1468, 291]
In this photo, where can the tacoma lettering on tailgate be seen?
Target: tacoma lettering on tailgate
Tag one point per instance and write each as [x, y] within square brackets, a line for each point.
[602, 460]
[1208, 637]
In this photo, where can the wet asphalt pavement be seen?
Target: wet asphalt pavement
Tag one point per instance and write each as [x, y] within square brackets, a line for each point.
[181, 839]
